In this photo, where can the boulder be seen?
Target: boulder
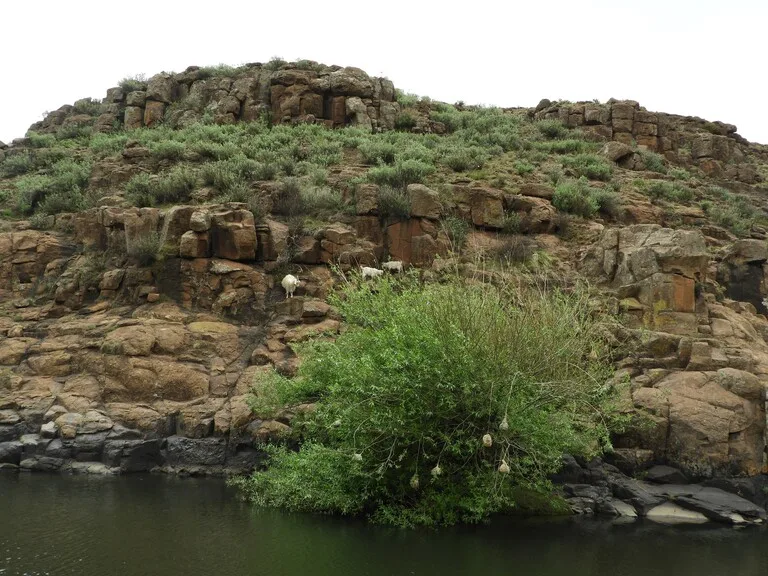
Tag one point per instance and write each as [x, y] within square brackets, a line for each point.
[233, 234]
[200, 221]
[615, 151]
[665, 475]
[153, 113]
[425, 202]
[194, 245]
[367, 199]
[162, 88]
[357, 112]
[129, 341]
[180, 451]
[487, 207]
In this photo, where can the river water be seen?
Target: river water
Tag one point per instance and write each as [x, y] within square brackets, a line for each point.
[147, 525]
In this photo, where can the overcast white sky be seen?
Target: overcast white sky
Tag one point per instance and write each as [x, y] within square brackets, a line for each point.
[695, 57]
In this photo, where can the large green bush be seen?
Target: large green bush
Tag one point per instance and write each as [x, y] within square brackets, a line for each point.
[439, 403]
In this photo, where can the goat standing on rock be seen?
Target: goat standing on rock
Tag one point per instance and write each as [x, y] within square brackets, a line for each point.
[371, 272]
[290, 283]
[393, 266]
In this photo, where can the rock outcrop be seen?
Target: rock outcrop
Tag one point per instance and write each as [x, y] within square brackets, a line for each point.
[714, 147]
[698, 368]
[329, 95]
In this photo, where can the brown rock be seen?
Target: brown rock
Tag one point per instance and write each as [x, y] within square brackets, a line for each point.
[487, 207]
[367, 199]
[425, 202]
[194, 245]
[314, 309]
[537, 190]
[200, 221]
[130, 341]
[233, 235]
[615, 151]
[153, 113]
[162, 87]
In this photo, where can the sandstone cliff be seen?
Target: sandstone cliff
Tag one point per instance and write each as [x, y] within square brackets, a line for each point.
[133, 320]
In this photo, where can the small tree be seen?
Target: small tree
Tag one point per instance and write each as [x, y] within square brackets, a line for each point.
[439, 403]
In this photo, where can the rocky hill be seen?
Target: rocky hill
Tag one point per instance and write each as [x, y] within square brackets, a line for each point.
[143, 239]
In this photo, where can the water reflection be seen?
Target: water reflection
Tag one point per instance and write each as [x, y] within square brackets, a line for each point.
[142, 525]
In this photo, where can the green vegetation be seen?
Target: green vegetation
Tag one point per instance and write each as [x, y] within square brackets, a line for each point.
[511, 223]
[173, 186]
[592, 166]
[579, 198]
[401, 173]
[146, 248]
[671, 191]
[551, 128]
[131, 83]
[59, 189]
[407, 438]
[732, 211]
[653, 162]
[457, 230]
[394, 203]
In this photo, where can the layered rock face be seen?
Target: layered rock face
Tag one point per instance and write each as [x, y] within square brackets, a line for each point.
[333, 96]
[698, 368]
[713, 146]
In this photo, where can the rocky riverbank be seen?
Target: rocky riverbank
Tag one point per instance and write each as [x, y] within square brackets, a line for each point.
[662, 494]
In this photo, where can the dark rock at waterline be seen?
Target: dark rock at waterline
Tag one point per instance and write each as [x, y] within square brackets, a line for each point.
[619, 495]
[33, 445]
[10, 452]
[56, 449]
[42, 464]
[15, 431]
[120, 432]
[665, 475]
[245, 460]
[132, 455]
[180, 451]
[640, 495]
[715, 504]
[754, 489]
[88, 444]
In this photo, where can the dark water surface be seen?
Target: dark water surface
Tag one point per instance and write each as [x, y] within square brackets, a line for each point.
[146, 525]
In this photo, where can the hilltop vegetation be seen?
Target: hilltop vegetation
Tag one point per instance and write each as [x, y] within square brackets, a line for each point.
[61, 172]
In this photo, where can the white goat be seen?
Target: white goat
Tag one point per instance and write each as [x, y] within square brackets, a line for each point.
[371, 272]
[290, 283]
[393, 266]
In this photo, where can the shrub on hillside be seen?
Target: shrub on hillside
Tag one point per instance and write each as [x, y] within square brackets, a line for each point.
[171, 187]
[405, 121]
[17, 164]
[146, 248]
[575, 197]
[457, 230]
[516, 249]
[401, 174]
[408, 438]
[551, 128]
[131, 83]
[378, 152]
[65, 178]
[394, 203]
[592, 166]
[732, 211]
[653, 162]
[673, 191]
